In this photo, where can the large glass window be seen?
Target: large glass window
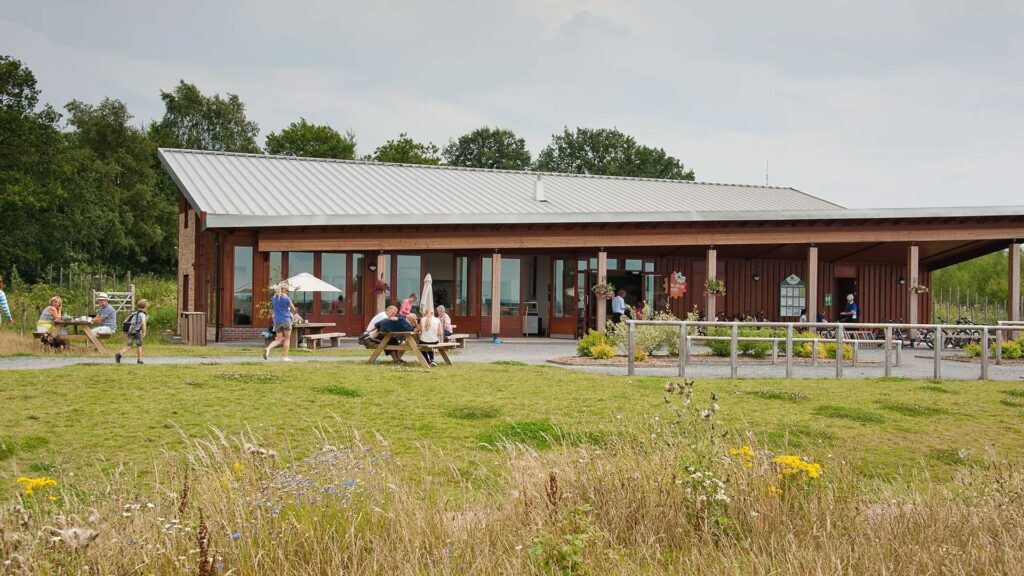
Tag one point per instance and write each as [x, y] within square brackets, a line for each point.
[511, 270]
[408, 279]
[355, 298]
[461, 304]
[276, 268]
[565, 288]
[485, 286]
[334, 271]
[241, 302]
[299, 262]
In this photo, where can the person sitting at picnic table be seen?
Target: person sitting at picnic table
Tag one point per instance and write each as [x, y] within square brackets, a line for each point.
[5, 310]
[446, 322]
[851, 311]
[106, 316]
[430, 333]
[396, 323]
[406, 308]
[52, 312]
[283, 308]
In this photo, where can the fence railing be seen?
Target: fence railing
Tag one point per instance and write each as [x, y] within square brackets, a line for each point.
[988, 333]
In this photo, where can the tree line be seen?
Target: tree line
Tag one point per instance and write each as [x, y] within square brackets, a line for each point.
[83, 186]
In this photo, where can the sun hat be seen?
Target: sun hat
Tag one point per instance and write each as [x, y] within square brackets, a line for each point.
[102, 296]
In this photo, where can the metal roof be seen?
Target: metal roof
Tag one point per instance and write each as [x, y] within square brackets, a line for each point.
[253, 190]
[259, 190]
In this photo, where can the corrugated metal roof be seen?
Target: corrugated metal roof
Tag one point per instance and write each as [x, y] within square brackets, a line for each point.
[259, 190]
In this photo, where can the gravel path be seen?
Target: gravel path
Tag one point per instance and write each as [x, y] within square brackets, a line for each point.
[917, 364]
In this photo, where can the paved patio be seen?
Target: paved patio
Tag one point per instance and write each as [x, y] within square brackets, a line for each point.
[916, 364]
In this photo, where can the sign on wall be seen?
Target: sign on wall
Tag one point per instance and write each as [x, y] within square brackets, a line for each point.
[792, 296]
[676, 285]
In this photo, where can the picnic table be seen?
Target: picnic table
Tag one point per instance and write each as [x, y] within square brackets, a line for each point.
[86, 326]
[305, 328]
[409, 344]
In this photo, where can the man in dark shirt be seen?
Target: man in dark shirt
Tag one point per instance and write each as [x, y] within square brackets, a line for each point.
[852, 312]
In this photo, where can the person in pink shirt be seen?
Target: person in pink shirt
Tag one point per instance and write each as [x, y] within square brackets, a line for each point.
[406, 307]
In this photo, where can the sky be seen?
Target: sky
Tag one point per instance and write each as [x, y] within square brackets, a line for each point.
[867, 104]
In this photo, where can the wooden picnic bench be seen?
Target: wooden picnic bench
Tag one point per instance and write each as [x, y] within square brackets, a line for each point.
[459, 339]
[861, 338]
[409, 344]
[314, 341]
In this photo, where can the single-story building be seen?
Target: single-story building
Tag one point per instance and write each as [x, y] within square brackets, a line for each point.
[518, 253]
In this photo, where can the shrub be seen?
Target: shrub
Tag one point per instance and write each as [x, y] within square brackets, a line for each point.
[648, 338]
[719, 347]
[972, 350]
[1011, 350]
[640, 356]
[593, 338]
[747, 348]
[602, 352]
[830, 350]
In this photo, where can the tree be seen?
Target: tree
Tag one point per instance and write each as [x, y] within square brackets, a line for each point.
[488, 148]
[608, 152]
[984, 278]
[406, 151]
[312, 141]
[198, 122]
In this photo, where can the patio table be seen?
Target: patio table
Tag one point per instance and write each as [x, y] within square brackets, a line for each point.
[86, 327]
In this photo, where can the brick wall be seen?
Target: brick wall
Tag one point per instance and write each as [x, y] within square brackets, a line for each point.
[239, 333]
[187, 255]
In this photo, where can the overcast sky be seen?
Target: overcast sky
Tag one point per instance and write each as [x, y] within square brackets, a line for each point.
[867, 104]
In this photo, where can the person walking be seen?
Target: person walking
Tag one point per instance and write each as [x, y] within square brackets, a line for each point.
[137, 329]
[618, 306]
[5, 309]
[283, 308]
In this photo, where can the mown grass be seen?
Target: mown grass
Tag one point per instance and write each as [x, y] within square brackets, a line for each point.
[87, 420]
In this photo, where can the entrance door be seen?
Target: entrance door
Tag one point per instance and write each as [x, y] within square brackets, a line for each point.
[844, 286]
[564, 310]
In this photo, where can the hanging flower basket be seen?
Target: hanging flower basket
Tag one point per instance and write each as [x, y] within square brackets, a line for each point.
[714, 287]
[604, 290]
[380, 286]
[918, 289]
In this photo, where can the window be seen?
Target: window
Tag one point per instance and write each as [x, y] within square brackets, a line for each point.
[355, 298]
[276, 268]
[565, 289]
[485, 286]
[299, 262]
[511, 269]
[408, 279]
[461, 305]
[792, 297]
[241, 301]
[334, 271]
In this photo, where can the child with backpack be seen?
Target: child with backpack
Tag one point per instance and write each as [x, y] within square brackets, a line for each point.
[135, 326]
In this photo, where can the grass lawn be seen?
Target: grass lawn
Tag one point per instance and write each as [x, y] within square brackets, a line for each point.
[88, 420]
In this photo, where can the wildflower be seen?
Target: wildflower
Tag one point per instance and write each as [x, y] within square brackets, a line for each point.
[236, 535]
[745, 454]
[32, 484]
[795, 466]
[237, 468]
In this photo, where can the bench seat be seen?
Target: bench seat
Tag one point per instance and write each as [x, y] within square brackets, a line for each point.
[314, 341]
[459, 339]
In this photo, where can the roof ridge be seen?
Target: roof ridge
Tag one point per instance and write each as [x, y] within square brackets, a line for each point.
[485, 170]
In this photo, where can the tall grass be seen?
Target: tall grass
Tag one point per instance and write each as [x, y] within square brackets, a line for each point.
[669, 493]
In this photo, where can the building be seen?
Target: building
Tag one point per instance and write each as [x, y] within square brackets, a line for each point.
[515, 253]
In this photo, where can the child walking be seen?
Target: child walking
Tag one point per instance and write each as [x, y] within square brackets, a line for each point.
[136, 332]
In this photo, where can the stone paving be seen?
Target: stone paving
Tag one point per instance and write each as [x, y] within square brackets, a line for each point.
[917, 364]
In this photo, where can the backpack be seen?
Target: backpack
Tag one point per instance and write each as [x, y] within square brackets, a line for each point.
[128, 323]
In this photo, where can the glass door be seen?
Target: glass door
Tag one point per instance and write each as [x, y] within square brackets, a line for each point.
[564, 308]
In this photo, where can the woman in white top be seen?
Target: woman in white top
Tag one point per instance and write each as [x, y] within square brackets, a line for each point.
[430, 333]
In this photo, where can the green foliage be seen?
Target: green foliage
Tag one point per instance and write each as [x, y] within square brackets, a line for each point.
[940, 389]
[562, 553]
[488, 148]
[912, 410]
[593, 338]
[1015, 392]
[509, 363]
[972, 350]
[849, 413]
[649, 339]
[535, 434]
[753, 349]
[343, 391]
[602, 351]
[784, 395]
[405, 150]
[806, 349]
[1011, 350]
[830, 350]
[312, 141]
[608, 152]
[199, 122]
[985, 276]
[473, 412]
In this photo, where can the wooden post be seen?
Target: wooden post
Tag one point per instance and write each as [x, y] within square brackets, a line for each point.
[912, 271]
[602, 276]
[812, 283]
[712, 273]
[382, 265]
[495, 294]
[1013, 296]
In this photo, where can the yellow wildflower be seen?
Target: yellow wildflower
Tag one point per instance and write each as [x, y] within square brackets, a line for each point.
[746, 455]
[790, 465]
[237, 468]
[774, 490]
[32, 484]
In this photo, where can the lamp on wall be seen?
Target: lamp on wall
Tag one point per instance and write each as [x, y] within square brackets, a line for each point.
[373, 267]
[902, 280]
[756, 277]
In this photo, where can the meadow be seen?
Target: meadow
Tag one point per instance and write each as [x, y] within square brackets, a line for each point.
[347, 468]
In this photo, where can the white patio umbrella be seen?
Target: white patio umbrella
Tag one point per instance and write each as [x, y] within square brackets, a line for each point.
[306, 282]
[427, 296]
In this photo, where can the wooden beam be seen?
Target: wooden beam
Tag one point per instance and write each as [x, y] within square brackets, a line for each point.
[602, 276]
[712, 273]
[857, 251]
[495, 294]
[913, 271]
[1013, 299]
[812, 283]
[382, 265]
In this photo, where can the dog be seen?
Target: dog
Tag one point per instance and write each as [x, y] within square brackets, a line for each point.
[55, 342]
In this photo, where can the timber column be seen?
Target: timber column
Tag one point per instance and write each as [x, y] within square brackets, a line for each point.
[495, 295]
[382, 265]
[913, 266]
[712, 274]
[1013, 295]
[602, 277]
[812, 283]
